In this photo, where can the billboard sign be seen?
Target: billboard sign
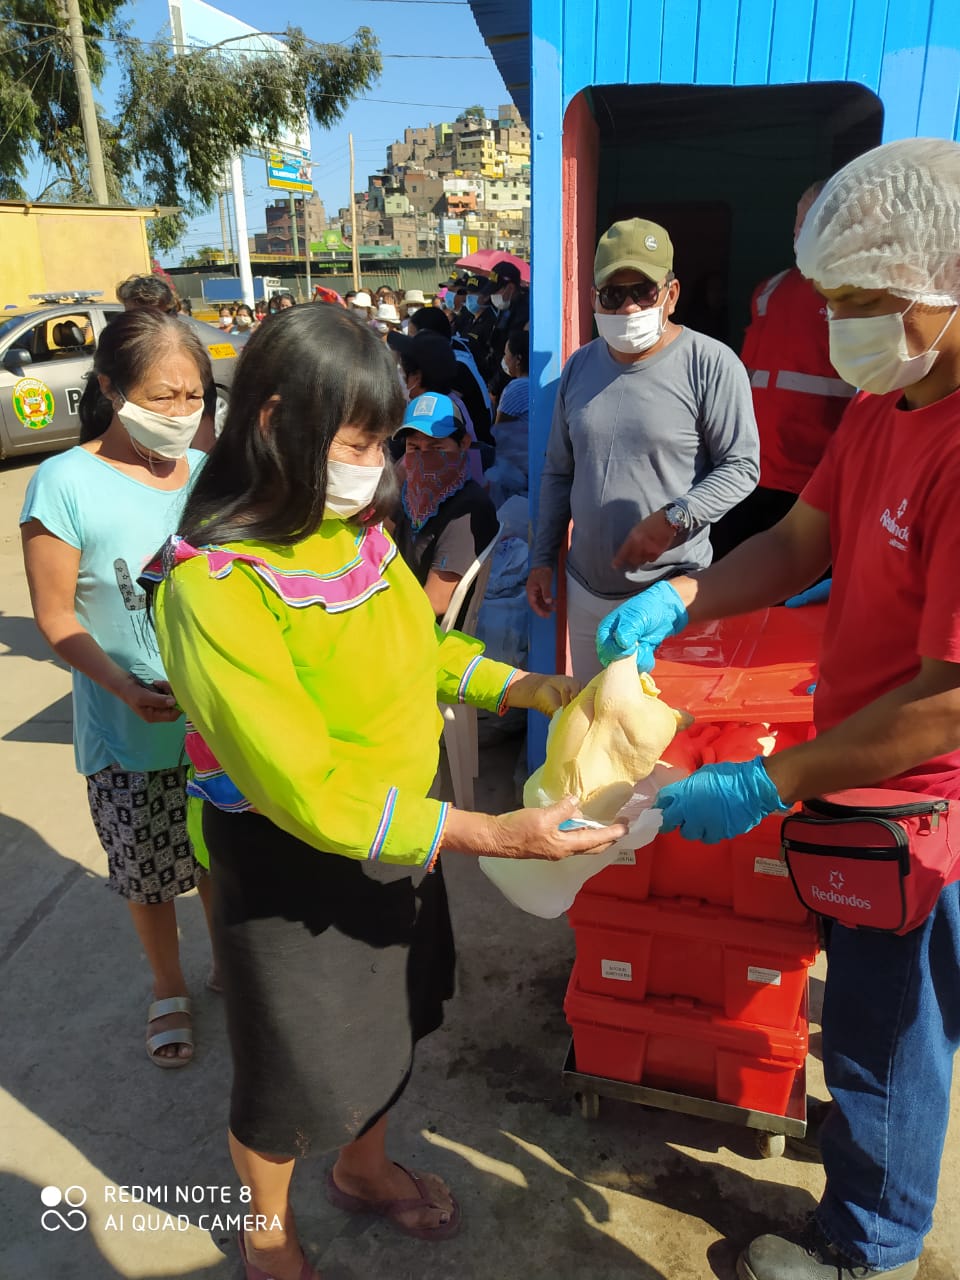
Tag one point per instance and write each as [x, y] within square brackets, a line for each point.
[460, 245]
[288, 172]
[331, 241]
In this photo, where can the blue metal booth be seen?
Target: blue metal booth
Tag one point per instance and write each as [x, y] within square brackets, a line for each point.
[711, 117]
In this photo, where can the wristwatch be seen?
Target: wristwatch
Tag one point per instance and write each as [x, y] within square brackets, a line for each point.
[677, 516]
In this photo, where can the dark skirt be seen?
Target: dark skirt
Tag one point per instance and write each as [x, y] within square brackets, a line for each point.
[332, 968]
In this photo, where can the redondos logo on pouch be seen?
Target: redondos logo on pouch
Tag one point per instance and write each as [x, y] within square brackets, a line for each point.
[840, 899]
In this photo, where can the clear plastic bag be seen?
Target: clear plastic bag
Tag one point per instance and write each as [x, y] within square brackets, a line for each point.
[548, 889]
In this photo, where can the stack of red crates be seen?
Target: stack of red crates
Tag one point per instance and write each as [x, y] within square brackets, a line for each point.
[692, 960]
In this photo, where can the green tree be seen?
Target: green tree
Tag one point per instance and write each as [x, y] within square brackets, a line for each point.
[202, 257]
[472, 113]
[179, 119]
[38, 93]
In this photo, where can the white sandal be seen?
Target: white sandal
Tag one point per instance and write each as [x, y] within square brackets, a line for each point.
[176, 1035]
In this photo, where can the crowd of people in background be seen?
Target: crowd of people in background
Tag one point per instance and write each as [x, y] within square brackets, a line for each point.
[462, 360]
[476, 313]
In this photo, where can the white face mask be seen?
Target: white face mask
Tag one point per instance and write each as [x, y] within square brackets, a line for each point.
[243, 322]
[505, 367]
[634, 332]
[350, 489]
[226, 322]
[870, 352]
[499, 301]
[163, 434]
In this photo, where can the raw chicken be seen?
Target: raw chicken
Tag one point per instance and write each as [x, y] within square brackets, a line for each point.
[607, 739]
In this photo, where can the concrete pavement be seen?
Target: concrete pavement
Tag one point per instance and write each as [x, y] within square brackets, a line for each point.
[636, 1195]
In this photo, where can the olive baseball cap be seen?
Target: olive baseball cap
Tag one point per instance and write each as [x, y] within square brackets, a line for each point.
[633, 245]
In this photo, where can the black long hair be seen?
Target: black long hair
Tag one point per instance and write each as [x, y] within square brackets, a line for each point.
[128, 348]
[518, 341]
[432, 320]
[268, 483]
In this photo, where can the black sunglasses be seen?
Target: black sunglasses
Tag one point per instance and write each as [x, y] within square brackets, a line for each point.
[644, 293]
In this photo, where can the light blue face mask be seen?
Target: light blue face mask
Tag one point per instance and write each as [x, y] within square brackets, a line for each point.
[473, 303]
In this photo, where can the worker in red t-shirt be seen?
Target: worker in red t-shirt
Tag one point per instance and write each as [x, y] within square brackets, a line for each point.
[797, 397]
[882, 246]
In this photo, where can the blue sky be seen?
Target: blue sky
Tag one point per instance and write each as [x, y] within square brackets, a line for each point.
[413, 91]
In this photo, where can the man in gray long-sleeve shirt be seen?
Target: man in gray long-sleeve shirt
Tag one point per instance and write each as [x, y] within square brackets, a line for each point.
[653, 440]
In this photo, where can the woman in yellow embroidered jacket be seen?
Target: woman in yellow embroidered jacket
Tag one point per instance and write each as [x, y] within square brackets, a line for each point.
[308, 661]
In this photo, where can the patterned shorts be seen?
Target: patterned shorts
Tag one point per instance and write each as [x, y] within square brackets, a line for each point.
[141, 819]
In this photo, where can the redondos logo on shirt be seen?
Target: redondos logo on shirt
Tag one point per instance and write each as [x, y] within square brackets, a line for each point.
[901, 532]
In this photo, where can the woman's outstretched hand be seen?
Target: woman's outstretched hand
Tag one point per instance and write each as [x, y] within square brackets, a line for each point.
[545, 694]
[527, 833]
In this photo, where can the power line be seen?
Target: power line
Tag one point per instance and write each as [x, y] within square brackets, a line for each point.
[261, 52]
[30, 44]
[47, 168]
[441, 57]
[38, 26]
[40, 70]
[236, 47]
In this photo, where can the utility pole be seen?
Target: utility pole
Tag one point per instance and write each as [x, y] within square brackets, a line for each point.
[354, 230]
[88, 111]
[306, 247]
[232, 257]
[224, 234]
[294, 238]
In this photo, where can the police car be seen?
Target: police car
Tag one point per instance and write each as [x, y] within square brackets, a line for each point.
[46, 355]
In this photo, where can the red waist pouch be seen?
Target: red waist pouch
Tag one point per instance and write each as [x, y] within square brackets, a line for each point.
[871, 859]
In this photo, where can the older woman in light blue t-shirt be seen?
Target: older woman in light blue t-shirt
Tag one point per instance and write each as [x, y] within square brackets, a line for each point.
[92, 518]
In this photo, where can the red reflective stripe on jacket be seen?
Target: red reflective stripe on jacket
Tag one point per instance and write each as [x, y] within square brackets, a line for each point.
[797, 396]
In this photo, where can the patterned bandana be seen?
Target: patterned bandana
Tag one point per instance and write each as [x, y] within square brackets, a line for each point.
[431, 477]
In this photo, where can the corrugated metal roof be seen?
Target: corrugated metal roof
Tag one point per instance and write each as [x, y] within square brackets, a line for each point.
[505, 27]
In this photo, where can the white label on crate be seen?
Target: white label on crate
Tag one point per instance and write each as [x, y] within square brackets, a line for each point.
[770, 867]
[768, 977]
[621, 970]
[625, 858]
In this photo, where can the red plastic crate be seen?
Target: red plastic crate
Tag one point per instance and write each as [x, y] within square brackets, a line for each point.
[671, 1044]
[747, 874]
[756, 667]
[748, 970]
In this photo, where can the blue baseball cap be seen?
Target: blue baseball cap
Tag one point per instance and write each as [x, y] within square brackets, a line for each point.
[432, 415]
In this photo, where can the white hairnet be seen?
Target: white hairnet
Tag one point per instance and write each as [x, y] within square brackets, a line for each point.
[890, 219]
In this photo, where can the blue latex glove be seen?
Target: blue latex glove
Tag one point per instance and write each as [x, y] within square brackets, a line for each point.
[640, 624]
[719, 801]
[816, 594]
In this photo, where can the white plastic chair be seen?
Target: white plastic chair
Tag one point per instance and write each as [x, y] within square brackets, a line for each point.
[460, 720]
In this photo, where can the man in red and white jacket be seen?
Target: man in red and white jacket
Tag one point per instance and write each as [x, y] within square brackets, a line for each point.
[798, 398]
